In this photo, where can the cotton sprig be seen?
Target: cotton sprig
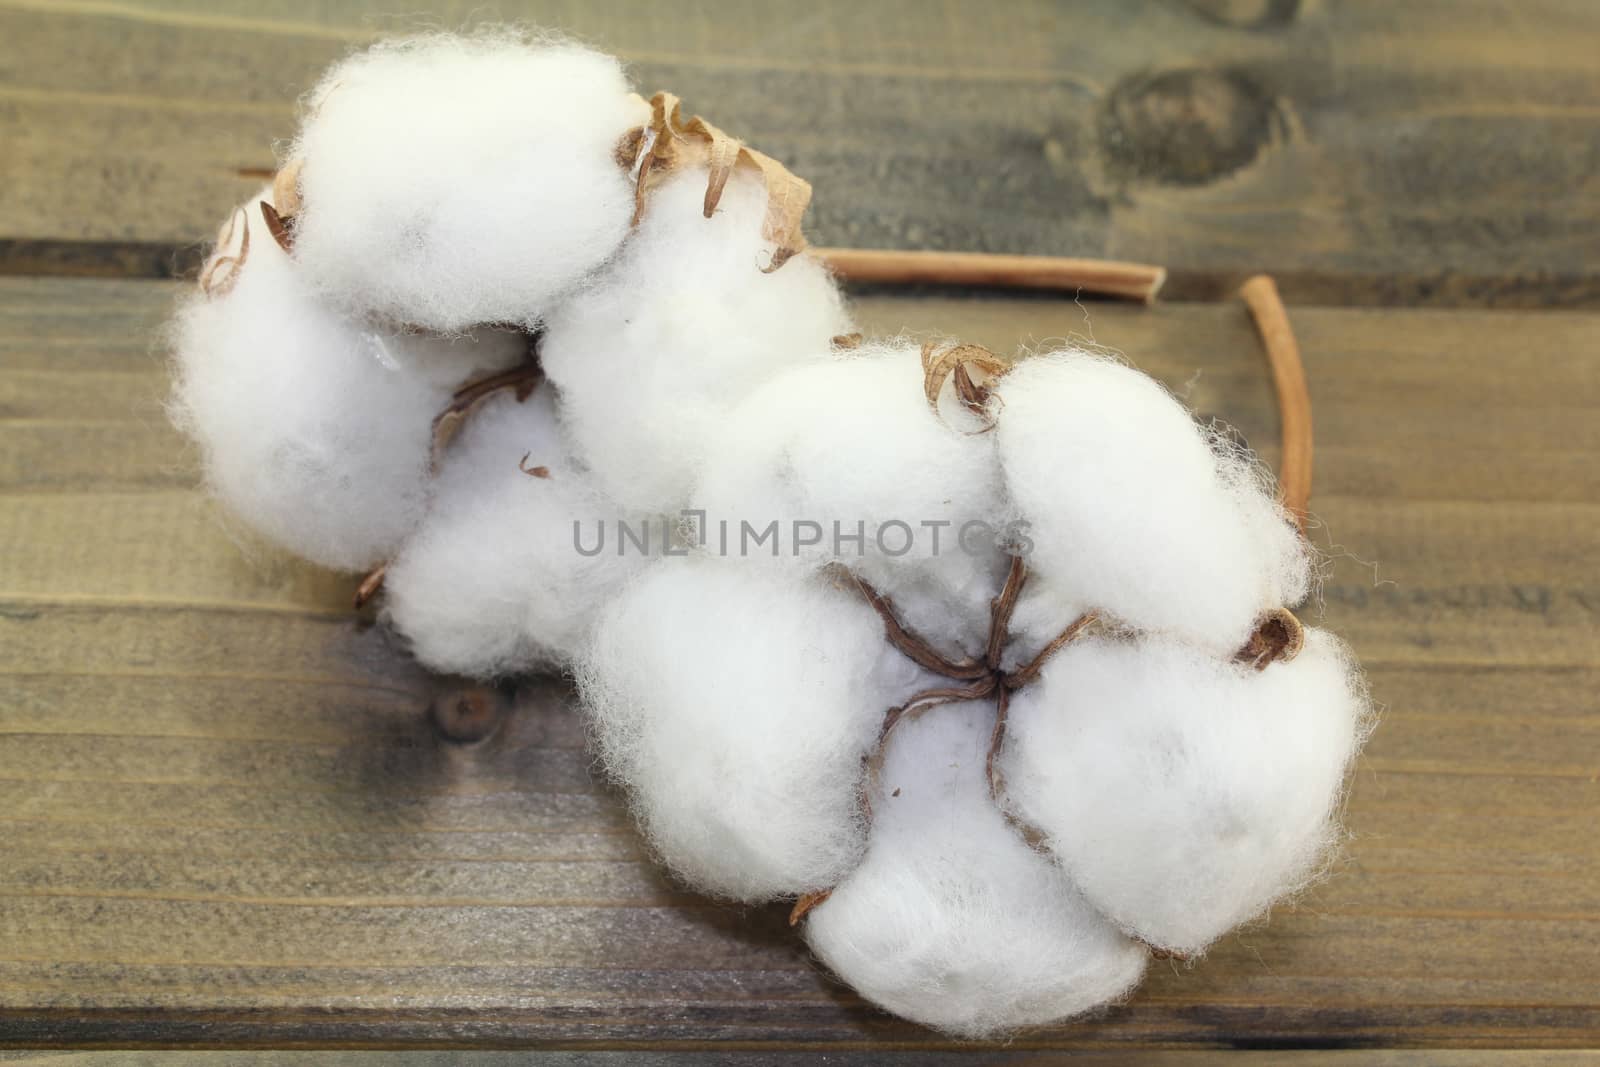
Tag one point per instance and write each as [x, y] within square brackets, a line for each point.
[1128, 743]
[494, 297]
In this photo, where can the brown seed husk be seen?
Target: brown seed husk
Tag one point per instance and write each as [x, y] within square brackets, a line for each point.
[286, 189]
[972, 367]
[674, 144]
[280, 226]
[221, 271]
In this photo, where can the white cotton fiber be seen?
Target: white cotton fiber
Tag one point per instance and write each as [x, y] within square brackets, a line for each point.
[1182, 792]
[737, 705]
[493, 582]
[652, 359]
[450, 198]
[847, 451]
[450, 181]
[1130, 507]
[313, 428]
[951, 919]
[1044, 610]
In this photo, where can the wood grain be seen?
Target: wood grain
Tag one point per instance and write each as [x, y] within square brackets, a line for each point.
[226, 819]
[875, 1058]
[1433, 152]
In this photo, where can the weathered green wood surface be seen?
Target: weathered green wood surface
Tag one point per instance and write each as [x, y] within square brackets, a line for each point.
[225, 817]
[1432, 151]
[697, 1058]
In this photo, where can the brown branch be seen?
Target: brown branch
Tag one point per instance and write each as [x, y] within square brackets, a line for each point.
[370, 585]
[1000, 609]
[1031, 835]
[1025, 674]
[913, 645]
[932, 698]
[997, 738]
[1016, 680]
[1134, 281]
[1260, 295]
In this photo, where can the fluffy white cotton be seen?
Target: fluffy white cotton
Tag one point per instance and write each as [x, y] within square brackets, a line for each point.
[737, 705]
[496, 580]
[1132, 510]
[734, 674]
[951, 919]
[650, 361]
[313, 428]
[1044, 610]
[848, 460]
[449, 181]
[1182, 792]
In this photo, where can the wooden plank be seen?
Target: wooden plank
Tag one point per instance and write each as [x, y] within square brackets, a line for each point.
[874, 1058]
[1438, 151]
[226, 819]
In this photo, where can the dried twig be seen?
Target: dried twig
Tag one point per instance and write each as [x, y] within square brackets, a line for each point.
[370, 585]
[1000, 610]
[1133, 281]
[916, 647]
[1029, 671]
[1260, 294]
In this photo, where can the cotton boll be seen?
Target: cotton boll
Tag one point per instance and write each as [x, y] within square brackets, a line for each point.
[651, 360]
[1132, 510]
[448, 181]
[494, 581]
[850, 462]
[737, 705]
[1182, 792]
[314, 428]
[951, 919]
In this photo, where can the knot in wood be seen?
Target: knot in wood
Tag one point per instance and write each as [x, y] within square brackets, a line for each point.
[469, 715]
[1186, 127]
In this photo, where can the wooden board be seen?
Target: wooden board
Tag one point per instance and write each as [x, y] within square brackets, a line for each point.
[1434, 152]
[225, 817]
[875, 1058]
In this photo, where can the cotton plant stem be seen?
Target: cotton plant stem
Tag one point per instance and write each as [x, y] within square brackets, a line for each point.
[370, 585]
[1133, 281]
[1260, 295]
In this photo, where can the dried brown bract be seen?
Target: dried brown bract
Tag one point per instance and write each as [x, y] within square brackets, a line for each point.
[669, 143]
